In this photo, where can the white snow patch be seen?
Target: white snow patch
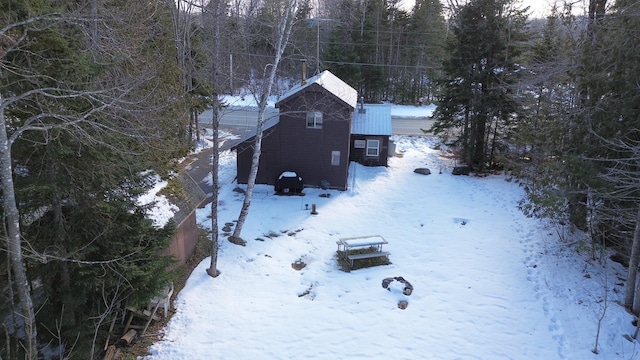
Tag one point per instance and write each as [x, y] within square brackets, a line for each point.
[160, 210]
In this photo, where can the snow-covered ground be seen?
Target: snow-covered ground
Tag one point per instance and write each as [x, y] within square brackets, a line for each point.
[489, 283]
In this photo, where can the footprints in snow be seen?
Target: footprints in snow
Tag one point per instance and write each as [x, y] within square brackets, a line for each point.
[532, 258]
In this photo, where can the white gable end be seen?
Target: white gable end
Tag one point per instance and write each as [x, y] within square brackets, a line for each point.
[332, 84]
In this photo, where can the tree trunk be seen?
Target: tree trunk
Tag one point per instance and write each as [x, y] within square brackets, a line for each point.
[253, 173]
[284, 32]
[94, 24]
[13, 239]
[630, 301]
[213, 267]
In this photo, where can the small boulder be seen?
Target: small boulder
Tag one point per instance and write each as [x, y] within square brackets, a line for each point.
[461, 170]
[423, 171]
[402, 304]
[237, 240]
[298, 265]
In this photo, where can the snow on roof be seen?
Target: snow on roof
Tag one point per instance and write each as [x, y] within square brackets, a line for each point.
[331, 83]
[375, 120]
[161, 210]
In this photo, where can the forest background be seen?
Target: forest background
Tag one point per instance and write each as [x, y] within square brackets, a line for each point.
[99, 97]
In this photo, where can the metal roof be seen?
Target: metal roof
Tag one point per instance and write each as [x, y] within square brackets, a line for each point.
[331, 83]
[375, 120]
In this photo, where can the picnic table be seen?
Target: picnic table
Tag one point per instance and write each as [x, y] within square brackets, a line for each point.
[347, 248]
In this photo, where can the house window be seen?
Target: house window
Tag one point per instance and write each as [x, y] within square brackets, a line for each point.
[314, 119]
[359, 144]
[373, 147]
[335, 158]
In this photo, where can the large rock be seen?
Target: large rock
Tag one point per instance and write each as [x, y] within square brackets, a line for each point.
[461, 170]
[423, 171]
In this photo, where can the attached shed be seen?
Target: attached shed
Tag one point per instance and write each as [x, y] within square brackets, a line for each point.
[311, 136]
[269, 165]
[370, 132]
[188, 198]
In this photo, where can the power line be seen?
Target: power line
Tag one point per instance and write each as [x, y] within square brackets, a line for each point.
[335, 62]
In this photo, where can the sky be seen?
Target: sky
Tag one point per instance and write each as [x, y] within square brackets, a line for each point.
[489, 283]
[538, 8]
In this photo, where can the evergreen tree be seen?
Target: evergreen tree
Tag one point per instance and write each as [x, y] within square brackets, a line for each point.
[426, 43]
[610, 123]
[542, 137]
[80, 118]
[476, 91]
[342, 55]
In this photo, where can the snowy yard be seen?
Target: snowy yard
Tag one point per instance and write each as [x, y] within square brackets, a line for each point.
[489, 283]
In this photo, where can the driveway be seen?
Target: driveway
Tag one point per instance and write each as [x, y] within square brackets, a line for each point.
[199, 165]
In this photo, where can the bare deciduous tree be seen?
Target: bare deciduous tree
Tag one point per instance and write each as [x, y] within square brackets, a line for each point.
[13, 239]
[215, 78]
[283, 29]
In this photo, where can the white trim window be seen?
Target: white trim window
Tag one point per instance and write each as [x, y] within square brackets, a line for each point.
[359, 144]
[314, 119]
[373, 148]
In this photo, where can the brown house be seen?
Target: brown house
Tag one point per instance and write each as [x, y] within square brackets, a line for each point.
[310, 139]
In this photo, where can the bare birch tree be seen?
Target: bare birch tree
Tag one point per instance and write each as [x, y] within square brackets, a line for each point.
[13, 239]
[12, 36]
[288, 9]
[215, 59]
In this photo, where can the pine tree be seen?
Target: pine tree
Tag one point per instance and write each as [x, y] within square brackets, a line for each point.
[476, 91]
[77, 125]
[426, 44]
[342, 54]
[543, 132]
[610, 122]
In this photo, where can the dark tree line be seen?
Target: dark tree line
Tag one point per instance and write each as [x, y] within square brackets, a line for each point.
[387, 53]
[558, 106]
[477, 93]
[89, 102]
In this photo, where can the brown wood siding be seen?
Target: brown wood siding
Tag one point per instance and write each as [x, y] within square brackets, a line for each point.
[291, 146]
[269, 158]
[359, 154]
[308, 151]
[183, 244]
